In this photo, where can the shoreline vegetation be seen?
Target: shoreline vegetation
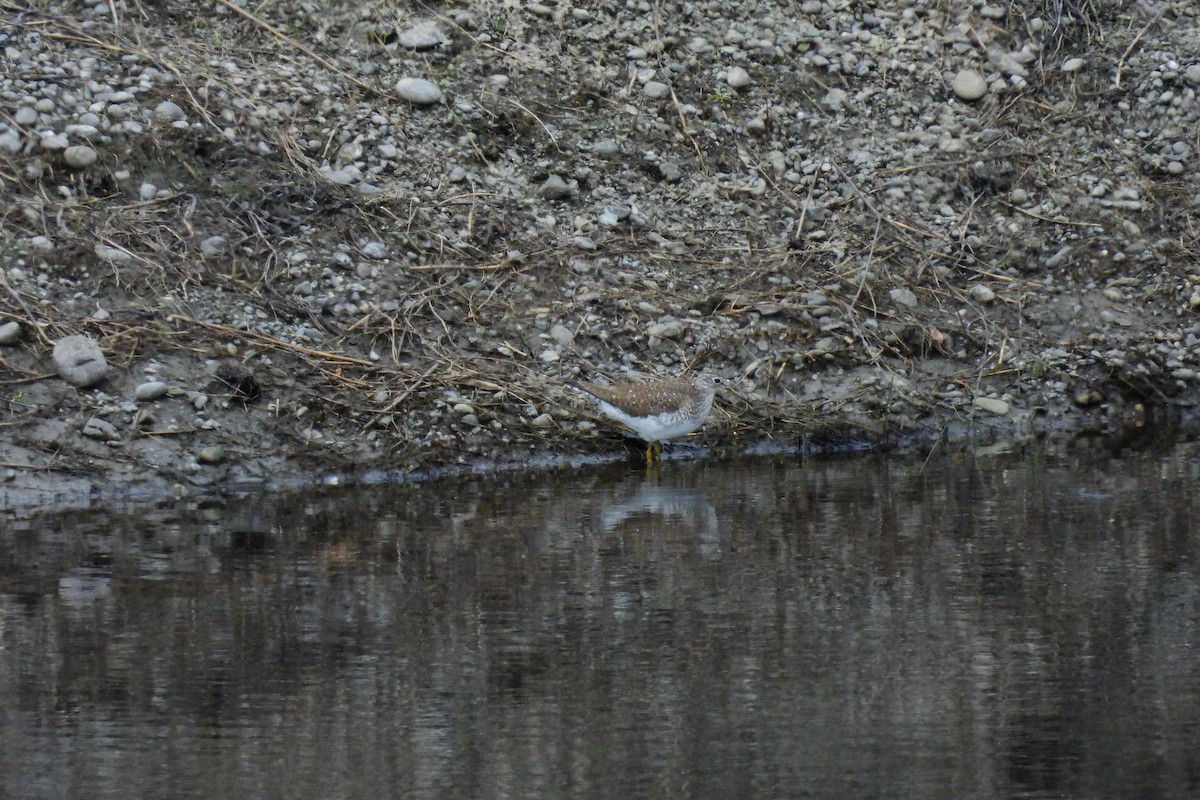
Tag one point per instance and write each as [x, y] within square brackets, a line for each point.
[319, 239]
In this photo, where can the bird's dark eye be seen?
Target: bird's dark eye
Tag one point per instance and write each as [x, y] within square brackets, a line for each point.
[718, 381]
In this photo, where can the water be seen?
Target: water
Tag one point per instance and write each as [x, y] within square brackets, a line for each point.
[998, 625]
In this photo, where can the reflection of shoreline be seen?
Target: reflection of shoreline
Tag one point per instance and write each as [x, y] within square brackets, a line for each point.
[677, 511]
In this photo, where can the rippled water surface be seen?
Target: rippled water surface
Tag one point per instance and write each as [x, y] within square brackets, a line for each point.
[945, 626]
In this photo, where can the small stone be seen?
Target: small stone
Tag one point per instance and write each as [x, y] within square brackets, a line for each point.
[213, 454]
[79, 156]
[213, 246]
[559, 333]
[418, 91]
[1009, 64]
[903, 297]
[969, 85]
[555, 188]
[53, 142]
[113, 255]
[834, 99]
[10, 142]
[147, 191]
[85, 132]
[738, 77]
[422, 36]
[168, 111]
[669, 171]
[150, 390]
[376, 251]
[982, 294]
[1087, 397]
[1018, 197]
[10, 332]
[656, 90]
[1192, 74]
[1072, 65]
[672, 329]
[991, 405]
[96, 428]
[542, 421]
[26, 115]
[79, 361]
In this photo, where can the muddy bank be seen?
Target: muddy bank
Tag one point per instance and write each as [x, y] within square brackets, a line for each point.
[368, 240]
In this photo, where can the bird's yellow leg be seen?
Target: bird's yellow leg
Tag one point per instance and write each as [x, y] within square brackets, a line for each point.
[653, 452]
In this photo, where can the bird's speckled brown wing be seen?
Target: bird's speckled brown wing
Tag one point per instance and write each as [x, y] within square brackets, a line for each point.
[643, 399]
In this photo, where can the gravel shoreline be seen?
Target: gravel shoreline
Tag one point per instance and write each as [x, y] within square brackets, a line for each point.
[364, 241]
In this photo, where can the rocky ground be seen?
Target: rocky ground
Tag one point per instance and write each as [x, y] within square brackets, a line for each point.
[329, 237]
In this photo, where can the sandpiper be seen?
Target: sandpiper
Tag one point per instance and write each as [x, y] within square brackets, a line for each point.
[656, 410]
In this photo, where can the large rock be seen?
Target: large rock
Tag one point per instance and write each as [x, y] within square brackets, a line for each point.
[79, 361]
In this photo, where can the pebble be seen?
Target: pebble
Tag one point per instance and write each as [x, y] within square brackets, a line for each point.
[79, 156]
[969, 85]
[559, 333]
[656, 90]
[991, 405]
[1192, 74]
[376, 251]
[672, 329]
[982, 294]
[904, 297]
[96, 428]
[418, 91]
[835, 99]
[542, 421]
[738, 77]
[1072, 65]
[421, 36]
[213, 454]
[213, 246]
[26, 115]
[10, 332]
[150, 390]
[112, 255]
[86, 132]
[168, 111]
[79, 361]
[555, 188]
[10, 142]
